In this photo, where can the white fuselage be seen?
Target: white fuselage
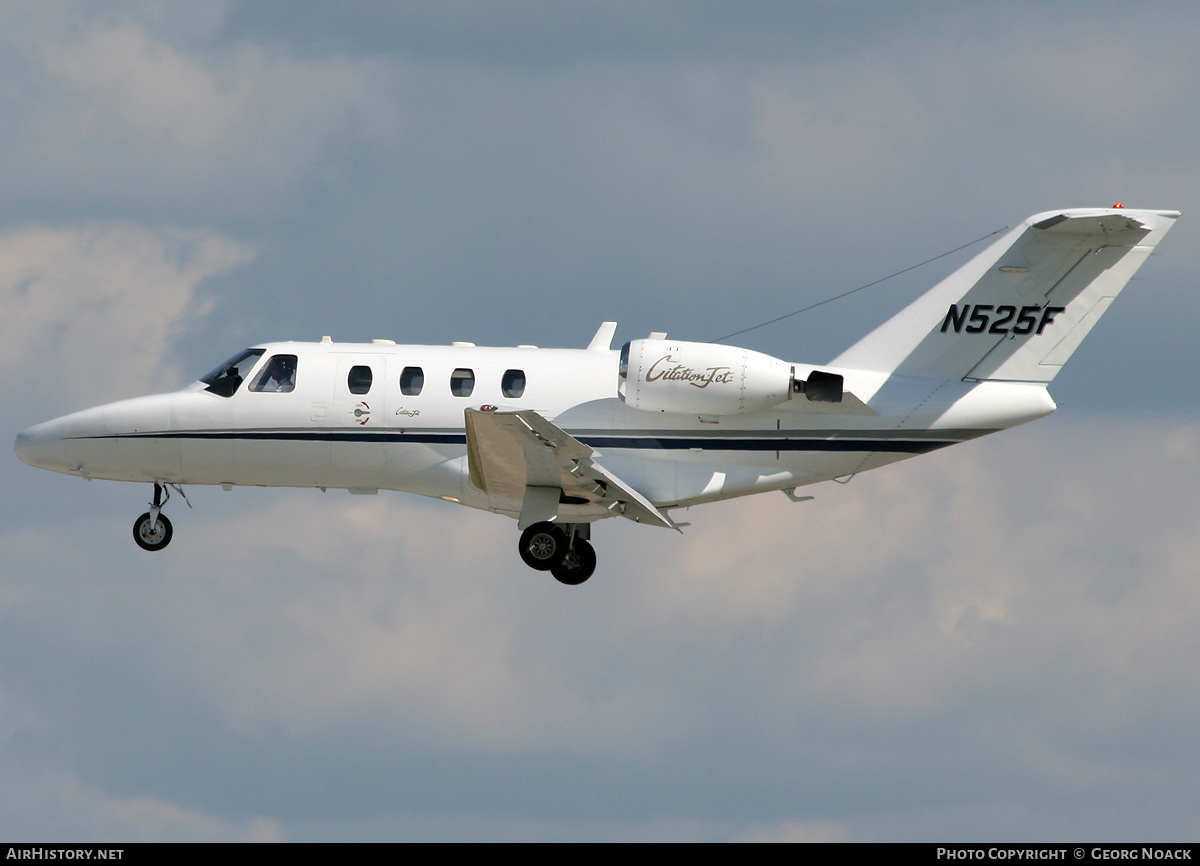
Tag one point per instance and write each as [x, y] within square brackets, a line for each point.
[321, 434]
[560, 438]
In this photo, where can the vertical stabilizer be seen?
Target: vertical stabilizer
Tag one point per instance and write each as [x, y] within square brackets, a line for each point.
[1019, 309]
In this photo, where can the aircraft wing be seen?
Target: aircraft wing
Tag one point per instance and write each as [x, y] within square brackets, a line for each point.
[521, 459]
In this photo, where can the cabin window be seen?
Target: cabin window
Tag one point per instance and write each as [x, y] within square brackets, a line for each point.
[462, 382]
[359, 379]
[513, 383]
[226, 379]
[412, 380]
[279, 375]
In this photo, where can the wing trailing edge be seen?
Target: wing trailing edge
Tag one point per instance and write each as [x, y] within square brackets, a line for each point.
[526, 464]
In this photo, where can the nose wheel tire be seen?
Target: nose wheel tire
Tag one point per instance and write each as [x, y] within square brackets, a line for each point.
[152, 535]
[543, 546]
[578, 565]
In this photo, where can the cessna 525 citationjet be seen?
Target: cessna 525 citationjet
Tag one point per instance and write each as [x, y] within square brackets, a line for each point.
[561, 438]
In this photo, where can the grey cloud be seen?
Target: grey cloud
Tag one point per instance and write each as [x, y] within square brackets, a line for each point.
[944, 629]
[456, 201]
[91, 312]
[988, 642]
[114, 113]
[541, 35]
[657, 194]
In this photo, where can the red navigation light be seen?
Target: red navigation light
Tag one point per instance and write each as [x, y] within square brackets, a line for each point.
[1118, 204]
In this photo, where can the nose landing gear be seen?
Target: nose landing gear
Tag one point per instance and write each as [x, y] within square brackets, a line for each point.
[565, 552]
[153, 531]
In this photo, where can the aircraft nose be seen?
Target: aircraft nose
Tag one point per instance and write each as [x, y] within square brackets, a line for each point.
[42, 445]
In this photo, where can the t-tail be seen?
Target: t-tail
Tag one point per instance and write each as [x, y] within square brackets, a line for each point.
[1019, 309]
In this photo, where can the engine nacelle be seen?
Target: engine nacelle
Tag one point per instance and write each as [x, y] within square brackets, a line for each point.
[701, 378]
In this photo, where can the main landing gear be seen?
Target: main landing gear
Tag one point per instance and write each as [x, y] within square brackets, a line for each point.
[152, 531]
[564, 551]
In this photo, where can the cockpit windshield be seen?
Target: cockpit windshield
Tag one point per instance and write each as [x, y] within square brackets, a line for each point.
[226, 379]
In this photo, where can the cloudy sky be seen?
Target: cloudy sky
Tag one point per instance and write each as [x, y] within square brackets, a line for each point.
[998, 641]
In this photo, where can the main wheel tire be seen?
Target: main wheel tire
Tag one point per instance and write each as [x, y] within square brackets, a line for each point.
[154, 536]
[543, 546]
[578, 565]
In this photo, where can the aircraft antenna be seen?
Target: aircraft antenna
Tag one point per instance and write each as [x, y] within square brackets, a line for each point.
[860, 288]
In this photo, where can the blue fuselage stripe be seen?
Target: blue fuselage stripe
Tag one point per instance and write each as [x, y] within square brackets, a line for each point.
[663, 443]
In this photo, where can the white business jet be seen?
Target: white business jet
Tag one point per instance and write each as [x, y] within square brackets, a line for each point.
[561, 438]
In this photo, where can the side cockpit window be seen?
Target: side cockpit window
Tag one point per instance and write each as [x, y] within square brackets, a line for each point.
[279, 375]
[226, 379]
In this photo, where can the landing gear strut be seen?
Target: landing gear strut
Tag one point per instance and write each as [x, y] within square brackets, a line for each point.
[563, 551]
[152, 531]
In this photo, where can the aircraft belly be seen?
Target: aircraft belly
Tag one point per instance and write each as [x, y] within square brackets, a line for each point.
[156, 459]
[358, 456]
[688, 476]
[313, 457]
[436, 471]
[287, 463]
[206, 461]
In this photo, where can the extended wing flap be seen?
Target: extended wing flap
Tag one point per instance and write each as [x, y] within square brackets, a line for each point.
[505, 456]
[513, 453]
